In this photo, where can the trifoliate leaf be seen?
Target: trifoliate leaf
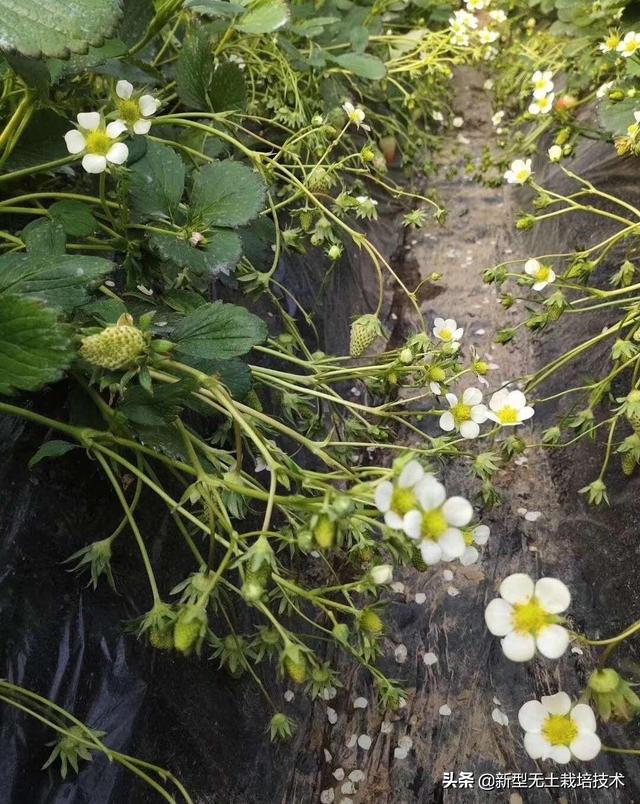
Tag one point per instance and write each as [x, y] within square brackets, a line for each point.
[75, 217]
[226, 194]
[264, 16]
[55, 27]
[219, 331]
[361, 64]
[62, 280]
[51, 449]
[157, 182]
[220, 254]
[34, 347]
[194, 69]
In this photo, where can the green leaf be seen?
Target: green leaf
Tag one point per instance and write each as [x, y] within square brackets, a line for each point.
[157, 182]
[219, 331]
[93, 58]
[161, 407]
[226, 194]
[194, 69]
[55, 27]
[75, 217]
[220, 255]
[42, 141]
[617, 117]
[44, 237]
[215, 8]
[264, 16]
[234, 374]
[33, 72]
[228, 90]
[51, 449]
[34, 348]
[361, 64]
[62, 280]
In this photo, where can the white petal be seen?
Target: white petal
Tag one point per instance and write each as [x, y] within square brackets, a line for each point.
[584, 718]
[519, 647]
[116, 128]
[430, 492]
[517, 588]
[481, 534]
[118, 153]
[499, 617]
[450, 324]
[142, 126]
[469, 429]
[393, 520]
[452, 399]
[457, 333]
[532, 715]
[410, 475]
[585, 746]
[383, 495]
[536, 746]
[469, 557]
[553, 595]
[458, 511]
[447, 422]
[526, 413]
[93, 163]
[431, 552]
[89, 120]
[560, 754]
[75, 141]
[499, 399]
[516, 400]
[552, 641]
[452, 544]
[479, 414]
[472, 396]
[148, 105]
[412, 524]
[558, 704]
[438, 323]
[124, 89]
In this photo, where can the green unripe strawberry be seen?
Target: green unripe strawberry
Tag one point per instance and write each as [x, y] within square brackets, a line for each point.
[324, 532]
[632, 410]
[370, 623]
[628, 461]
[319, 180]
[295, 666]
[189, 629]
[255, 582]
[116, 347]
[161, 638]
[340, 632]
[364, 331]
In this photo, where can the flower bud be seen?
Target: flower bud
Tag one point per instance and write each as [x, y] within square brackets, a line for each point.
[324, 532]
[406, 356]
[295, 664]
[612, 696]
[341, 633]
[382, 574]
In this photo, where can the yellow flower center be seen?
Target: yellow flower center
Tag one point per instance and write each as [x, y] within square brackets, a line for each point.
[612, 41]
[461, 412]
[445, 334]
[522, 175]
[129, 111]
[529, 618]
[543, 274]
[541, 84]
[434, 524]
[630, 46]
[403, 501]
[437, 374]
[98, 142]
[559, 730]
[508, 415]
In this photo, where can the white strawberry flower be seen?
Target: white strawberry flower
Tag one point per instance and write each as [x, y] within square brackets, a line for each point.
[486, 36]
[464, 19]
[629, 44]
[604, 89]
[509, 408]
[134, 111]
[543, 274]
[554, 729]
[465, 415]
[356, 115]
[437, 525]
[479, 535]
[519, 172]
[610, 43]
[526, 617]
[497, 118]
[498, 15]
[476, 5]
[554, 153]
[543, 105]
[542, 83]
[447, 330]
[395, 500]
[98, 143]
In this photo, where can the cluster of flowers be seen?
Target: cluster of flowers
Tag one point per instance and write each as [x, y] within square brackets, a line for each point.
[467, 26]
[99, 142]
[626, 46]
[527, 618]
[543, 94]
